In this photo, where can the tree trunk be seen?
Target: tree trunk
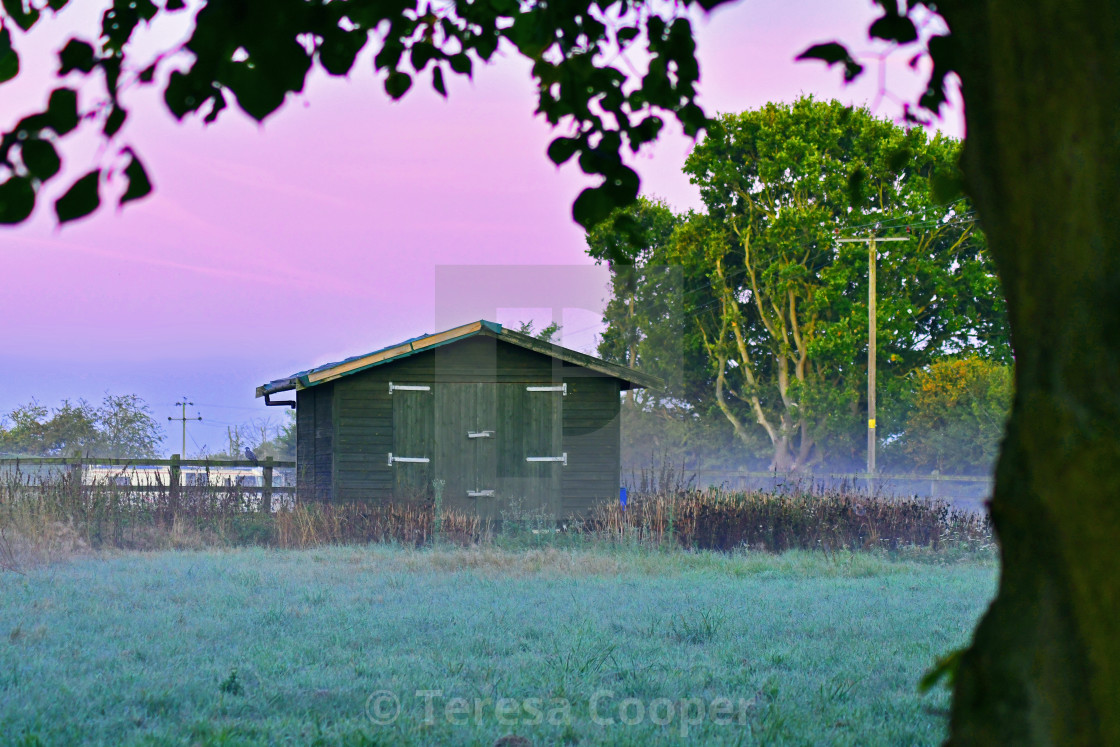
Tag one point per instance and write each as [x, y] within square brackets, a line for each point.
[1041, 83]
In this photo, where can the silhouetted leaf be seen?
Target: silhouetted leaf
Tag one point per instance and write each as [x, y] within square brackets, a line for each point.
[76, 55]
[9, 60]
[340, 48]
[562, 149]
[139, 185]
[21, 12]
[217, 104]
[263, 81]
[591, 207]
[831, 53]
[397, 84]
[115, 120]
[17, 200]
[894, 27]
[461, 63]
[80, 200]
[40, 158]
[422, 53]
[943, 54]
[437, 81]
[185, 94]
[62, 110]
[120, 20]
[174, 5]
[147, 74]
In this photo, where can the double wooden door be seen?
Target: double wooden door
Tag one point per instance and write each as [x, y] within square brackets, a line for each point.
[496, 447]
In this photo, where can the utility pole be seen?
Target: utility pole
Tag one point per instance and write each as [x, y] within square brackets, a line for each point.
[872, 255]
[184, 420]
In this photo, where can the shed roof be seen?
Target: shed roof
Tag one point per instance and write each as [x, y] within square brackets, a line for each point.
[482, 328]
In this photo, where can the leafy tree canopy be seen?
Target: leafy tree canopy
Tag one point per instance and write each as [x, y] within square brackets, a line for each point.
[769, 315]
[254, 53]
[958, 409]
[121, 427]
[1041, 86]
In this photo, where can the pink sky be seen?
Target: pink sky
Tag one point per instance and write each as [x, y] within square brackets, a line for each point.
[268, 249]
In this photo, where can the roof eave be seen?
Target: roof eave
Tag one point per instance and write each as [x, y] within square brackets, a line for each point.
[625, 373]
[480, 328]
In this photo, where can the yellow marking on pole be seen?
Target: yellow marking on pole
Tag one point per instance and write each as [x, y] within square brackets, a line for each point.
[871, 423]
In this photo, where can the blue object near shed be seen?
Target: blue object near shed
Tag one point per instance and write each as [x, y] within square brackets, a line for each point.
[622, 497]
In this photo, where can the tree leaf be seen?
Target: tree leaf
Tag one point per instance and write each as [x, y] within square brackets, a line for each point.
[76, 55]
[17, 200]
[894, 27]
[62, 110]
[9, 60]
[340, 48]
[437, 81]
[831, 53]
[139, 185]
[115, 120]
[591, 207]
[174, 5]
[40, 158]
[21, 12]
[397, 84]
[81, 199]
[185, 94]
[562, 149]
[461, 63]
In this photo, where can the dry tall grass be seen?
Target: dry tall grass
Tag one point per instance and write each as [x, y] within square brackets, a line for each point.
[803, 518]
[45, 519]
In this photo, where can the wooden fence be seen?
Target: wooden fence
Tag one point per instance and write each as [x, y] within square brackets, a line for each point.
[958, 489]
[174, 485]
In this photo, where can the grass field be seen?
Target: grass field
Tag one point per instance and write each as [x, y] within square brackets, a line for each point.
[383, 645]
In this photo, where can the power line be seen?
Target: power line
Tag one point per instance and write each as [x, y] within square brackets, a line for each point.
[183, 418]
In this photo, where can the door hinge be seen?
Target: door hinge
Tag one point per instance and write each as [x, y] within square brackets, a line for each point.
[408, 387]
[563, 459]
[562, 388]
[420, 460]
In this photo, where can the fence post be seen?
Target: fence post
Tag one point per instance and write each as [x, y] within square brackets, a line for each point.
[74, 466]
[266, 493]
[174, 483]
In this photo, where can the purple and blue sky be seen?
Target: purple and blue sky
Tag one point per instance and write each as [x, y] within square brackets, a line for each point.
[325, 231]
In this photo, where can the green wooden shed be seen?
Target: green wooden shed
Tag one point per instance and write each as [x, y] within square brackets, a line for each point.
[505, 420]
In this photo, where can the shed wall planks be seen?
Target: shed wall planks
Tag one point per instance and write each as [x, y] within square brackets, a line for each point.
[357, 422]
